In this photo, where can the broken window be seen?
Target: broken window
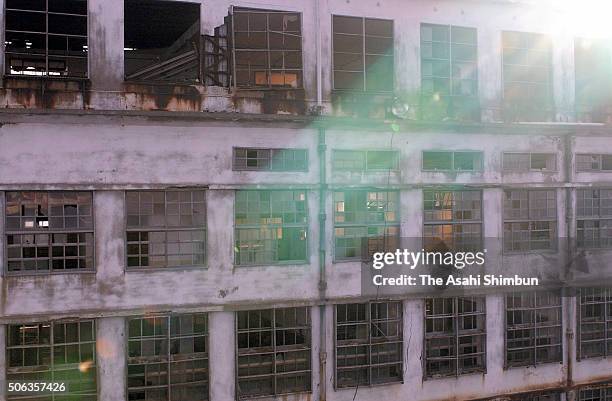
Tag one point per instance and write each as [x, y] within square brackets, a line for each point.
[523, 162]
[46, 38]
[453, 218]
[267, 48]
[365, 160]
[274, 352]
[530, 220]
[593, 61]
[162, 41]
[49, 231]
[533, 328]
[594, 218]
[455, 336]
[452, 161]
[365, 222]
[593, 162]
[594, 322]
[362, 54]
[166, 228]
[53, 352]
[595, 394]
[168, 358]
[527, 70]
[271, 227]
[266, 159]
[369, 349]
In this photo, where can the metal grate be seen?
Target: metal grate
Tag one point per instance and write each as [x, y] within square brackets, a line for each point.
[530, 220]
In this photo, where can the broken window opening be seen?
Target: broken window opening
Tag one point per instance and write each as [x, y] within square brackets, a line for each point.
[45, 38]
[217, 56]
[593, 84]
[162, 41]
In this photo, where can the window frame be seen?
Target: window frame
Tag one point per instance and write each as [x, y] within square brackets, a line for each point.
[600, 158]
[529, 168]
[365, 168]
[87, 73]
[480, 168]
[270, 168]
[597, 216]
[50, 232]
[606, 304]
[604, 393]
[364, 88]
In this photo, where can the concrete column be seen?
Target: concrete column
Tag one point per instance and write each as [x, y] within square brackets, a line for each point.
[2, 240]
[563, 77]
[414, 353]
[3, 329]
[111, 358]
[496, 332]
[109, 215]
[493, 228]
[220, 220]
[411, 219]
[106, 67]
[315, 335]
[222, 356]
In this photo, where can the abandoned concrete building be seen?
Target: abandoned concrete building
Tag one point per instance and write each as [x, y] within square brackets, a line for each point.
[189, 191]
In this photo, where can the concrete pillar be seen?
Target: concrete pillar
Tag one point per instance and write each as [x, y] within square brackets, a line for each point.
[414, 353]
[563, 76]
[315, 330]
[2, 240]
[3, 329]
[109, 220]
[493, 228]
[111, 358]
[106, 68]
[496, 333]
[220, 236]
[222, 355]
[330, 381]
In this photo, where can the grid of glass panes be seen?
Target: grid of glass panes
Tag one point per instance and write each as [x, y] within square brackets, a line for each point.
[274, 352]
[166, 228]
[365, 160]
[270, 227]
[441, 160]
[533, 328]
[46, 38]
[49, 231]
[527, 74]
[593, 61]
[60, 352]
[594, 218]
[540, 397]
[267, 48]
[362, 54]
[523, 162]
[455, 336]
[595, 394]
[365, 222]
[449, 60]
[168, 358]
[369, 347]
[260, 159]
[593, 162]
[452, 220]
[530, 220]
[595, 322]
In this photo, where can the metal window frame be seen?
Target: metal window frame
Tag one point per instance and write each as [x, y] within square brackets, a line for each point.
[305, 226]
[598, 217]
[368, 345]
[51, 346]
[364, 88]
[599, 157]
[165, 229]
[456, 335]
[528, 168]
[307, 348]
[606, 293]
[270, 164]
[604, 392]
[51, 271]
[452, 153]
[533, 326]
[46, 75]
[168, 316]
[365, 152]
[366, 224]
[451, 79]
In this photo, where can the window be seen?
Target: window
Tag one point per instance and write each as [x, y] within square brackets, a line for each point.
[455, 336]
[453, 218]
[61, 351]
[271, 227]
[595, 394]
[362, 54]
[593, 162]
[261, 159]
[524, 162]
[267, 48]
[365, 160]
[595, 322]
[452, 161]
[449, 60]
[594, 218]
[593, 61]
[369, 346]
[539, 397]
[49, 231]
[46, 38]
[527, 70]
[365, 222]
[166, 228]
[274, 352]
[533, 328]
[530, 220]
[162, 41]
[168, 357]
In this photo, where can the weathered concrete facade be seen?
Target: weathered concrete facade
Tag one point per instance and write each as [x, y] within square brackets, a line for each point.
[108, 136]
